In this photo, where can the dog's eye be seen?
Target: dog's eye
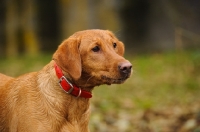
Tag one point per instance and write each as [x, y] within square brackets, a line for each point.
[96, 49]
[114, 45]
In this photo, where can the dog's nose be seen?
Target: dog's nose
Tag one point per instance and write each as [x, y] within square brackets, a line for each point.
[125, 67]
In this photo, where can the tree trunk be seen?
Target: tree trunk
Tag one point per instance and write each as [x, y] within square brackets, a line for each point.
[28, 24]
[11, 28]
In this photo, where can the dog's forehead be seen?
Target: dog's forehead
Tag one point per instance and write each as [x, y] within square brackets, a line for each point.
[94, 34]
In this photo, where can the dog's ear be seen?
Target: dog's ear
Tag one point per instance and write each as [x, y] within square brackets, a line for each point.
[68, 57]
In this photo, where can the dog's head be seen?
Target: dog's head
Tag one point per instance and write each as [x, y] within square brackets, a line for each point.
[93, 57]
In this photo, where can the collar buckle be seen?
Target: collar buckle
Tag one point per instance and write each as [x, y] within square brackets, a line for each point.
[64, 78]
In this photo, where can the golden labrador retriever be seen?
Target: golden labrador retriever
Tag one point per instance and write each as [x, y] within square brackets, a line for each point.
[56, 98]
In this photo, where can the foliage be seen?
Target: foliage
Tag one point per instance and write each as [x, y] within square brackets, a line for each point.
[162, 95]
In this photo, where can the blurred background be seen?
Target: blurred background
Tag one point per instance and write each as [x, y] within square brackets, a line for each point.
[32, 26]
[162, 40]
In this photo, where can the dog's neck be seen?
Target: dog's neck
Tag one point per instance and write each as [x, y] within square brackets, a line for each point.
[67, 106]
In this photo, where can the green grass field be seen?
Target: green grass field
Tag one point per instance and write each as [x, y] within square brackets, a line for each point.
[162, 95]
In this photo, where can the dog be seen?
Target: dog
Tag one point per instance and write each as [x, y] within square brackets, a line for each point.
[57, 98]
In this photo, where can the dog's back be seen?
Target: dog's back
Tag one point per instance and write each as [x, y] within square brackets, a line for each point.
[4, 79]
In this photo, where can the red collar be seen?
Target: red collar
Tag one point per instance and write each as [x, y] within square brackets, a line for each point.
[68, 87]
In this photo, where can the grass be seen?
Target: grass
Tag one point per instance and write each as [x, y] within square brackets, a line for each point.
[19, 65]
[159, 81]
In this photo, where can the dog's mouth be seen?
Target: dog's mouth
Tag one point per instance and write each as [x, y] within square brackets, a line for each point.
[110, 80]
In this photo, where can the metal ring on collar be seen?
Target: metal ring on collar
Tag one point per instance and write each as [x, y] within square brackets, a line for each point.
[79, 93]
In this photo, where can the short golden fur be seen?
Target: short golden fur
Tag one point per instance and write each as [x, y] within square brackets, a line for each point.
[34, 102]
